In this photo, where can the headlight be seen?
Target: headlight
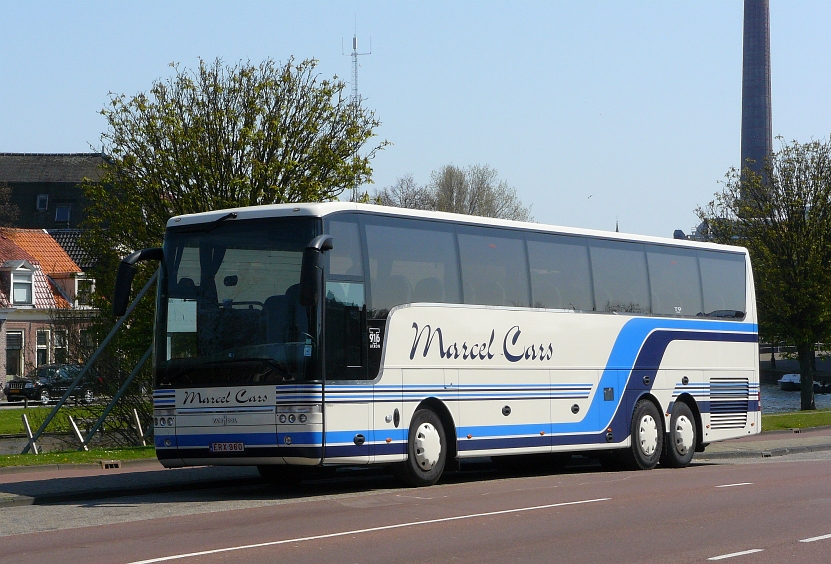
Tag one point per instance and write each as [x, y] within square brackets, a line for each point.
[29, 385]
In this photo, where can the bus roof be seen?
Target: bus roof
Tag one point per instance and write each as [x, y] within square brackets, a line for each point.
[327, 208]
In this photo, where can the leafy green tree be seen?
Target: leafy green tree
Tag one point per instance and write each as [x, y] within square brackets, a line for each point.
[783, 217]
[476, 190]
[215, 137]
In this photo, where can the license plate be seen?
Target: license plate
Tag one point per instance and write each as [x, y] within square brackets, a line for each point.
[14, 391]
[227, 447]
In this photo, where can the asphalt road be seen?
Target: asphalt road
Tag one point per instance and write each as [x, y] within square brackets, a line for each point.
[478, 515]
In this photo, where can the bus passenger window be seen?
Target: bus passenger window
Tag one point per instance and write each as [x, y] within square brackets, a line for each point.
[345, 257]
[560, 272]
[494, 268]
[411, 262]
[723, 282]
[674, 281]
[619, 271]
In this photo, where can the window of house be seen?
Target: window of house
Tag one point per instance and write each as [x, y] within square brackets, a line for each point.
[62, 213]
[83, 293]
[60, 347]
[42, 202]
[42, 356]
[14, 353]
[22, 288]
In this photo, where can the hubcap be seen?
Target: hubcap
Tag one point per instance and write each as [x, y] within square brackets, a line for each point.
[427, 446]
[684, 435]
[648, 435]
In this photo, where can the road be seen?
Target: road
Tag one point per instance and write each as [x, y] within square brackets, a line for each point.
[775, 511]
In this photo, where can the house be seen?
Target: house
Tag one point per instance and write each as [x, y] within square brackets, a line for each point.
[38, 284]
[46, 187]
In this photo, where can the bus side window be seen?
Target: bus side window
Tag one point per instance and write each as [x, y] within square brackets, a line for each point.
[410, 262]
[620, 281]
[560, 276]
[674, 281]
[345, 257]
[723, 283]
[494, 266]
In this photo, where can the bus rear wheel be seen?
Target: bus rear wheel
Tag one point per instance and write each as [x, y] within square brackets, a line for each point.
[681, 439]
[647, 434]
[426, 450]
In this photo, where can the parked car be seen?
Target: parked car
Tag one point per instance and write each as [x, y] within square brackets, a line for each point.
[50, 382]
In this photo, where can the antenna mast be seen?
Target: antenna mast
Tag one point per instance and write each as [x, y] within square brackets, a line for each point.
[356, 98]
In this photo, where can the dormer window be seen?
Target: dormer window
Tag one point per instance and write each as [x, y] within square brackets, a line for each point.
[42, 202]
[21, 276]
[21, 288]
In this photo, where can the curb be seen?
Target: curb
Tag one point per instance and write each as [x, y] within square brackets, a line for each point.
[77, 466]
[781, 451]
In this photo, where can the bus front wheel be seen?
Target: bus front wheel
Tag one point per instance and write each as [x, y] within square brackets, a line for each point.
[647, 433]
[426, 450]
[681, 438]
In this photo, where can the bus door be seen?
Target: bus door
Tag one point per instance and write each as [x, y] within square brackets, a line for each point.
[347, 408]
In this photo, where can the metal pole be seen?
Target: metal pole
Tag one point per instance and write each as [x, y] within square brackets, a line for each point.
[118, 395]
[32, 442]
[78, 434]
[93, 358]
[138, 427]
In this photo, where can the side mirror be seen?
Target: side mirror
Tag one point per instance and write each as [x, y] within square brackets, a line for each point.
[126, 273]
[310, 272]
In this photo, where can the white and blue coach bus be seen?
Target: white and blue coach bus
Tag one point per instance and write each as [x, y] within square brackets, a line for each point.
[293, 336]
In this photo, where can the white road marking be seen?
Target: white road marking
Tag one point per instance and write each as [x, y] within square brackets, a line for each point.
[370, 530]
[734, 485]
[812, 539]
[733, 554]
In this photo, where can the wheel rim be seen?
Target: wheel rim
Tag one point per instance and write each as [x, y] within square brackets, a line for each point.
[427, 445]
[88, 396]
[684, 434]
[44, 397]
[648, 435]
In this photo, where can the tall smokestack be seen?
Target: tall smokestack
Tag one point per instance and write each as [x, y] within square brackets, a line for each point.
[757, 136]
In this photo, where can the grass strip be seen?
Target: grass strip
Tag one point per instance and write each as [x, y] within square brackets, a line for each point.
[78, 457]
[796, 420]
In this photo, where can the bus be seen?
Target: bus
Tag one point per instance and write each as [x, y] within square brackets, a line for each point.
[296, 336]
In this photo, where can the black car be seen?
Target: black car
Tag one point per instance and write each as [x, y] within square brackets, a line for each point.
[50, 382]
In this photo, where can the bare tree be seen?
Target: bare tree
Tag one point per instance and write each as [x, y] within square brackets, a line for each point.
[476, 190]
[405, 193]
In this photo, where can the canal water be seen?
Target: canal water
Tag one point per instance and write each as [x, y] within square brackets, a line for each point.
[775, 400]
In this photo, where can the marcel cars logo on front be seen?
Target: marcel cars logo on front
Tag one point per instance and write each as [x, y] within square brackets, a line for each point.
[240, 397]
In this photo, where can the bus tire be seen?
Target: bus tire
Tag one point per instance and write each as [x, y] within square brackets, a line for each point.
[647, 434]
[426, 451]
[281, 476]
[681, 439]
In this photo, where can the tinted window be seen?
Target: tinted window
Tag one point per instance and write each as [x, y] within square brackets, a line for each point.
[674, 281]
[560, 272]
[620, 282]
[409, 262]
[723, 281]
[345, 257]
[494, 271]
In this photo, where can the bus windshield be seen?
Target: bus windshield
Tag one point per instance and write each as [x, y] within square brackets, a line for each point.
[228, 310]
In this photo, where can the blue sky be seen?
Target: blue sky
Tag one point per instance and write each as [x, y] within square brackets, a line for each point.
[595, 112]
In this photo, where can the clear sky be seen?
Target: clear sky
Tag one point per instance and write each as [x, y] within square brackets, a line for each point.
[594, 111]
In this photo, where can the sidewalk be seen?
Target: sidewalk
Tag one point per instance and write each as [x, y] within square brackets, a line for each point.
[40, 485]
[771, 443]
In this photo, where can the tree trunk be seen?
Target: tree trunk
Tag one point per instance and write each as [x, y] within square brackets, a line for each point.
[805, 352]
